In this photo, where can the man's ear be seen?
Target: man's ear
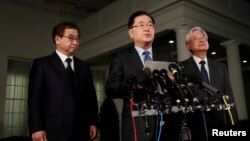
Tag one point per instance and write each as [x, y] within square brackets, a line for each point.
[57, 39]
[188, 47]
[130, 33]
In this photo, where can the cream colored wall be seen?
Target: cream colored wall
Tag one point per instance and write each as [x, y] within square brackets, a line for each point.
[106, 30]
[26, 31]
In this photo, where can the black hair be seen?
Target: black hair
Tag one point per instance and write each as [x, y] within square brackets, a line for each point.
[131, 19]
[60, 28]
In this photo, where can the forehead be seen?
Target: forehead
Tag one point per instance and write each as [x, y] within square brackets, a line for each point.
[142, 18]
[197, 33]
[71, 31]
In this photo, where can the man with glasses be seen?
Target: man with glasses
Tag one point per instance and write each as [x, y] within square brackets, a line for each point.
[129, 64]
[213, 73]
[62, 100]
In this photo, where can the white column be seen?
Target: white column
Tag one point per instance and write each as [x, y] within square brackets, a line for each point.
[182, 51]
[236, 79]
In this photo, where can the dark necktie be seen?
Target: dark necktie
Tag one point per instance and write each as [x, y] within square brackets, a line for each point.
[204, 75]
[146, 56]
[70, 70]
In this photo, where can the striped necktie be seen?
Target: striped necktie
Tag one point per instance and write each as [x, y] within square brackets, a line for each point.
[147, 56]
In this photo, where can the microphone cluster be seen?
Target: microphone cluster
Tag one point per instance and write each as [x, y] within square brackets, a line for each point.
[173, 90]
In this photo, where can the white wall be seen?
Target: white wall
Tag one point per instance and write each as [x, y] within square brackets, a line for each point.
[106, 30]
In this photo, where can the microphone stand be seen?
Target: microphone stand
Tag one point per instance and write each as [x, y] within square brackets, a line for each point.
[185, 134]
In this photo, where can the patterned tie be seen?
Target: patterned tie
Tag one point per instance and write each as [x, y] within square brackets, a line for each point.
[70, 70]
[204, 75]
[146, 56]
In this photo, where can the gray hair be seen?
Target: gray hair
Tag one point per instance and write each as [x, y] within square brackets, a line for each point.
[196, 28]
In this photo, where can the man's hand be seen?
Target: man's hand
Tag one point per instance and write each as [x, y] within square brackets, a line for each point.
[39, 136]
[93, 132]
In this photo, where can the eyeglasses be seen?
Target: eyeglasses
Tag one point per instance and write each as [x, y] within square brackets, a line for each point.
[72, 38]
[199, 39]
[142, 25]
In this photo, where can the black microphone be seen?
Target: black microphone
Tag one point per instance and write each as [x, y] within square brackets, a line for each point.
[178, 82]
[173, 68]
[149, 86]
[182, 79]
[172, 88]
[147, 71]
[212, 90]
[131, 81]
[160, 80]
[164, 73]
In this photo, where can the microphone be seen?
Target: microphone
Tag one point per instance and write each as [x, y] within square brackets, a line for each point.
[145, 80]
[177, 71]
[180, 85]
[131, 81]
[180, 76]
[164, 73]
[169, 84]
[211, 89]
[147, 71]
[160, 81]
[174, 69]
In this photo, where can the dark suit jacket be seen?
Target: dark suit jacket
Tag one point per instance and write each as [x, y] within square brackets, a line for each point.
[122, 66]
[219, 79]
[57, 107]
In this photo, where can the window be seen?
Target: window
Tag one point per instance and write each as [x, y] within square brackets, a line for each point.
[15, 112]
[99, 78]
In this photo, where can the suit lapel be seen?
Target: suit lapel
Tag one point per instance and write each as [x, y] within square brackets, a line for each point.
[212, 70]
[78, 70]
[135, 60]
[57, 63]
[194, 66]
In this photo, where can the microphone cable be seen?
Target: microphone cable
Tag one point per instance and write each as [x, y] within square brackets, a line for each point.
[133, 118]
[228, 109]
[161, 123]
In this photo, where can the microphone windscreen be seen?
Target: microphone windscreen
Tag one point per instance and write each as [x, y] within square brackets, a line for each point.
[164, 72]
[156, 73]
[147, 71]
[173, 68]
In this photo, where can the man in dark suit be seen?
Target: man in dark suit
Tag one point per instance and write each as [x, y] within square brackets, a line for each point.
[62, 102]
[130, 63]
[217, 75]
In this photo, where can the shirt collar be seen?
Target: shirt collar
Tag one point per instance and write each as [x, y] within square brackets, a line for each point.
[197, 60]
[63, 57]
[141, 50]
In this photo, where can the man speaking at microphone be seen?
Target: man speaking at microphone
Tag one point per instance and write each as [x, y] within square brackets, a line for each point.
[141, 29]
[212, 73]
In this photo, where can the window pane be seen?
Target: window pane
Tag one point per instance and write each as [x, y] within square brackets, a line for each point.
[8, 106]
